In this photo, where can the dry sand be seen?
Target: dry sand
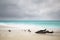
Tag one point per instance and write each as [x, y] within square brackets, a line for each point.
[25, 35]
[22, 35]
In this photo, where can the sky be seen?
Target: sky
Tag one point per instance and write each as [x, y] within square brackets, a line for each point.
[29, 9]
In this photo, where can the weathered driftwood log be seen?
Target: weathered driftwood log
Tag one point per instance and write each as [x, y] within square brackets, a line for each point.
[44, 31]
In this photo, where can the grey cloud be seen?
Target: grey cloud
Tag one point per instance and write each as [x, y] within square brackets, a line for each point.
[55, 14]
[39, 1]
[30, 9]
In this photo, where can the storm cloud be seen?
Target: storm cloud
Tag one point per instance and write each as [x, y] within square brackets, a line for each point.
[30, 9]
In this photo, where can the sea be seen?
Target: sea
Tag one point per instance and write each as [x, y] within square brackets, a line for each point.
[33, 24]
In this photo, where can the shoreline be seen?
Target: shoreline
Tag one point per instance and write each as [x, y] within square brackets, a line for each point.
[22, 35]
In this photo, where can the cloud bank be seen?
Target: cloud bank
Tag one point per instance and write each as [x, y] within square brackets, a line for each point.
[29, 9]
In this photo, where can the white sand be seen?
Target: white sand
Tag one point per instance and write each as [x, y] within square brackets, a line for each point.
[25, 35]
[22, 35]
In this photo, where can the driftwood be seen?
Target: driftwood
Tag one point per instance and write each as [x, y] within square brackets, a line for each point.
[44, 31]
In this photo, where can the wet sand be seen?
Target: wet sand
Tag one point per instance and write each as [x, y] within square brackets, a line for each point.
[22, 35]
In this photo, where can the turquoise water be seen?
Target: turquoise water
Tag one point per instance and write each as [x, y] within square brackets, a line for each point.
[47, 23]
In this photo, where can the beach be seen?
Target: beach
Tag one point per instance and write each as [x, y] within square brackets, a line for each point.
[25, 35]
[19, 31]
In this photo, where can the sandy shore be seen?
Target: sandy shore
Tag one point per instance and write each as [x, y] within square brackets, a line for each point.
[25, 35]
[22, 35]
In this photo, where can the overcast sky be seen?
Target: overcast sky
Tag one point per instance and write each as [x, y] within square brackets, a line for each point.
[29, 9]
